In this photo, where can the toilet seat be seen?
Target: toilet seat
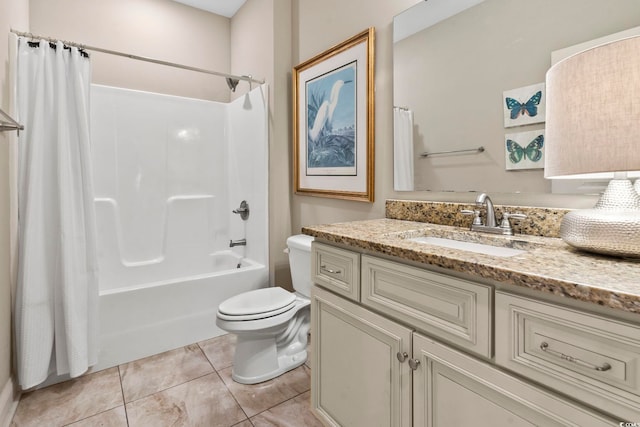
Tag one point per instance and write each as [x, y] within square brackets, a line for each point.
[257, 304]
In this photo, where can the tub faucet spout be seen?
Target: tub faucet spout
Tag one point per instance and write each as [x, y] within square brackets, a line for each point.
[241, 242]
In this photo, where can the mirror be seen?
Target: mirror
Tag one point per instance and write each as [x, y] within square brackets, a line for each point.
[452, 68]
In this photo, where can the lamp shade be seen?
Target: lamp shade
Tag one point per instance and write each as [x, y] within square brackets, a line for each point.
[593, 131]
[593, 113]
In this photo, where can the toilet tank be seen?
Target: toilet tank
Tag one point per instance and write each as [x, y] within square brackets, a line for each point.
[300, 262]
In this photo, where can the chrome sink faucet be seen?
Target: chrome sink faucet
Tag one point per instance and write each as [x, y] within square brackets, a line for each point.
[483, 199]
[491, 225]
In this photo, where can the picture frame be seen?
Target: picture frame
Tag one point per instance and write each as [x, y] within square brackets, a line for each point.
[333, 121]
[524, 106]
[524, 150]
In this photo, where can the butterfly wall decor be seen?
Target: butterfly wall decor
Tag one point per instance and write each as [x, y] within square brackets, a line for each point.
[524, 150]
[529, 108]
[525, 105]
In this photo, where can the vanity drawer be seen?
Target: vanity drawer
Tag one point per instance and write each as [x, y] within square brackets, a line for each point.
[586, 356]
[336, 269]
[453, 309]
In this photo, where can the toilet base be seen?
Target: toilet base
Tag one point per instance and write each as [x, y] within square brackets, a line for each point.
[260, 357]
[246, 372]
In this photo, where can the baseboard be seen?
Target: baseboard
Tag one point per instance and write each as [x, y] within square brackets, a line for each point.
[9, 398]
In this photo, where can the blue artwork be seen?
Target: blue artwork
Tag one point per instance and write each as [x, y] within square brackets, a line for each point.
[525, 150]
[529, 108]
[331, 122]
[524, 105]
[532, 151]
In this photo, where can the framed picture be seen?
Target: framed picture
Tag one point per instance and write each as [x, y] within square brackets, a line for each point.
[524, 150]
[333, 121]
[524, 106]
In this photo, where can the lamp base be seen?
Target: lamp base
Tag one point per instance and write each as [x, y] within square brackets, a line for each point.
[611, 228]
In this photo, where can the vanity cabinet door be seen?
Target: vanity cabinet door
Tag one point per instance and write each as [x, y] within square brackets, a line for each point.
[357, 378]
[453, 389]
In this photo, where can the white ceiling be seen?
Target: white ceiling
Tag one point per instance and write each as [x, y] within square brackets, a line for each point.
[226, 8]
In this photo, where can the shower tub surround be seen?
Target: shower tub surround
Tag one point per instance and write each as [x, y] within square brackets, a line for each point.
[168, 173]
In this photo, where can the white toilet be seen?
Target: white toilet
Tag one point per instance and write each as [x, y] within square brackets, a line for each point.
[271, 324]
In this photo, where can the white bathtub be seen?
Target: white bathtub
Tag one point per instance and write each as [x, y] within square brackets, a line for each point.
[147, 319]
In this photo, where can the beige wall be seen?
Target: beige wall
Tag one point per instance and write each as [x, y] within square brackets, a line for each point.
[15, 13]
[280, 194]
[160, 29]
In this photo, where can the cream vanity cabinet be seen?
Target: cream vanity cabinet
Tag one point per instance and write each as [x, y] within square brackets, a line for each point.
[412, 347]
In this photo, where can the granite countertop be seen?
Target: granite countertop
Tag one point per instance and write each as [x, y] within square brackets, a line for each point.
[548, 264]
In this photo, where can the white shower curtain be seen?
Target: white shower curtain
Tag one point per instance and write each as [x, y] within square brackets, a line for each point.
[57, 289]
[402, 149]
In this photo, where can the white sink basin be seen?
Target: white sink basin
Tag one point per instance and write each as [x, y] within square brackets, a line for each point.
[469, 246]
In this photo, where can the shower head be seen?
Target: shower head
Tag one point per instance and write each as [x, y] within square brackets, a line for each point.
[232, 83]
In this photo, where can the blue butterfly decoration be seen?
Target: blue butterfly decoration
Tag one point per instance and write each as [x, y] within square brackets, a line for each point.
[529, 108]
[533, 150]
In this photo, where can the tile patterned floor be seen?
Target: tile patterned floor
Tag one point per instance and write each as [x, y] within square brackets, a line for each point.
[189, 386]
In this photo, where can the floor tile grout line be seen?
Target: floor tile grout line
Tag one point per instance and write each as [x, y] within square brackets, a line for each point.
[88, 416]
[209, 360]
[281, 403]
[173, 386]
[124, 403]
[286, 400]
[234, 398]
[225, 384]
[206, 357]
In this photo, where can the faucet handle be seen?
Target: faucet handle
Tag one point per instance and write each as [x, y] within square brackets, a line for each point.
[243, 210]
[505, 219]
[476, 215]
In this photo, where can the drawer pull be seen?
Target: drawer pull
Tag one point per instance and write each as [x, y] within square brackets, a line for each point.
[544, 346]
[328, 270]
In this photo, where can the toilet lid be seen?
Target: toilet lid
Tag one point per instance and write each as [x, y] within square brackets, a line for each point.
[259, 301]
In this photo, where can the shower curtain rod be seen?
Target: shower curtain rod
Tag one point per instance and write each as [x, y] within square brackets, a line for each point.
[139, 58]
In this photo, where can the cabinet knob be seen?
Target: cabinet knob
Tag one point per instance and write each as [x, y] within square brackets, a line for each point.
[402, 356]
[413, 364]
